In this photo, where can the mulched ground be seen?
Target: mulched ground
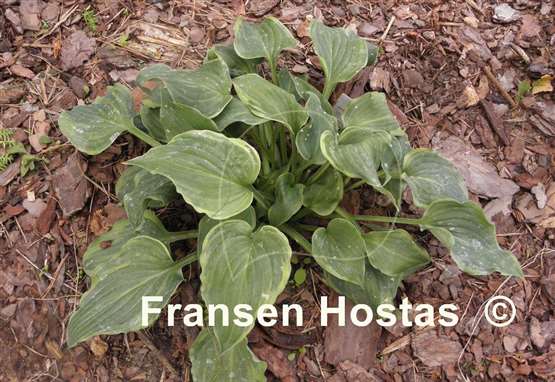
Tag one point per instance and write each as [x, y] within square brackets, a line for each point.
[471, 79]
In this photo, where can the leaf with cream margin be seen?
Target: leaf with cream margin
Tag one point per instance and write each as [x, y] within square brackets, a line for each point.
[339, 249]
[206, 224]
[240, 266]
[342, 53]
[237, 65]
[324, 195]
[207, 89]
[466, 232]
[93, 128]
[269, 101]
[370, 111]
[432, 177]
[234, 112]
[104, 252]
[262, 40]
[376, 288]
[288, 201]
[113, 304]
[212, 172]
[210, 364]
[150, 119]
[356, 153]
[392, 165]
[308, 138]
[394, 253]
[177, 118]
[138, 190]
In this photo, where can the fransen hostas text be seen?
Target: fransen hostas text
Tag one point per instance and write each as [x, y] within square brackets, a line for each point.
[243, 315]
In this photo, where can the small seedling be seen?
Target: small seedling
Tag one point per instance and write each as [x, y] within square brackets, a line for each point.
[524, 87]
[123, 40]
[300, 276]
[89, 17]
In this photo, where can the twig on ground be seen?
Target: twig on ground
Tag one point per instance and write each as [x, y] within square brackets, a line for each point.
[499, 87]
[46, 274]
[495, 122]
[475, 6]
[385, 33]
[56, 275]
[62, 20]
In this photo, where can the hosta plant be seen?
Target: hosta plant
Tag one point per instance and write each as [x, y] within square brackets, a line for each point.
[256, 151]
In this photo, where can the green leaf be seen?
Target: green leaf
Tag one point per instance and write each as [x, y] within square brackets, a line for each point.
[113, 303]
[301, 88]
[392, 165]
[238, 364]
[213, 173]
[342, 53]
[237, 65]
[304, 88]
[285, 81]
[28, 162]
[93, 128]
[373, 53]
[269, 101]
[356, 153]
[206, 224]
[339, 249]
[242, 267]
[324, 195]
[289, 199]
[308, 138]
[300, 276]
[394, 189]
[465, 230]
[236, 111]
[206, 89]
[104, 252]
[262, 40]
[394, 155]
[177, 118]
[394, 252]
[138, 190]
[150, 118]
[370, 111]
[431, 177]
[375, 289]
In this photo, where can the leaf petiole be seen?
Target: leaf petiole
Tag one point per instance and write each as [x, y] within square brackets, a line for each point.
[296, 236]
[381, 219]
[318, 174]
[344, 214]
[143, 136]
[181, 235]
[328, 89]
[186, 260]
[260, 198]
[355, 185]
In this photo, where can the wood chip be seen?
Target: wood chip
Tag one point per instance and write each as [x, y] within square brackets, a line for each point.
[435, 350]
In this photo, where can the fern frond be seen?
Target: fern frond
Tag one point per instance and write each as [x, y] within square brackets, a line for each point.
[5, 160]
[6, 138]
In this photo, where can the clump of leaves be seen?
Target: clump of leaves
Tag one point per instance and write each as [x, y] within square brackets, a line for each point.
[255, 157]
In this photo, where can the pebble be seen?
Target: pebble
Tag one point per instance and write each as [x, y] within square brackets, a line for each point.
[504, 13]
